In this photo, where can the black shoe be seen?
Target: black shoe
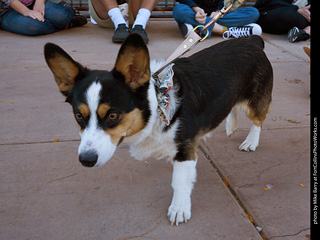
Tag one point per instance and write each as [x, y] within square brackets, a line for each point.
[295, 34]
[139, 29]
[121, 33]
[78, 20]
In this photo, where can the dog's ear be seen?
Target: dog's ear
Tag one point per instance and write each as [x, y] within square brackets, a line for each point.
[133, 61]
[63, 67]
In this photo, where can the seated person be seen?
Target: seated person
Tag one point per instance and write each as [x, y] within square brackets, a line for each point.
[283, 16]
[238, 23]
[37, 17]
[113, 14]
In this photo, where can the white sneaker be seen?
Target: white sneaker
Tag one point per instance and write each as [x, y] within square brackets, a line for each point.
[245, 31]
[186, 29]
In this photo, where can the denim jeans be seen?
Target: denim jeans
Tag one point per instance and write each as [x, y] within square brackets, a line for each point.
[57, 17]
[242, 16]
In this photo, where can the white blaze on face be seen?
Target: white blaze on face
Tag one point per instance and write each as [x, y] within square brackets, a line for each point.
[94, 138]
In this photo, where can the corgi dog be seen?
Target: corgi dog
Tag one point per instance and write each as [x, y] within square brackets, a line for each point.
[121, 105]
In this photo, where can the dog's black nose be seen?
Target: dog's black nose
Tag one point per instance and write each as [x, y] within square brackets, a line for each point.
[89, 158]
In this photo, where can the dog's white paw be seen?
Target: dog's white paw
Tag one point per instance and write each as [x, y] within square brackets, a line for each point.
[252, 140]
[179, 211]
[231, 128]
[248, 145]
[231, 123]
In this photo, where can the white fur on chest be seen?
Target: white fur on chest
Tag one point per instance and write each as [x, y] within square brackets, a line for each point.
[152, 141]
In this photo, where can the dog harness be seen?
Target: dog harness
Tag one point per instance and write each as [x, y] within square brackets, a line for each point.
[163, 84]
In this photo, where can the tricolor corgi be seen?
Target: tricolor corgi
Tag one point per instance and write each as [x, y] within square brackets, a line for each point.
[121, 105]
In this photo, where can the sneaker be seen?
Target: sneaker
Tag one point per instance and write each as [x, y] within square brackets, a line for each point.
[139, 29]
[185, 29]
[295, 34]
[121, 33]
[245, 31]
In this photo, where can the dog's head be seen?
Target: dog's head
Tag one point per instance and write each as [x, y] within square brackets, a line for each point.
[107, 105]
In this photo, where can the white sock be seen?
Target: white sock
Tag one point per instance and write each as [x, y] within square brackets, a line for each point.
[142, 18]
[116, 17]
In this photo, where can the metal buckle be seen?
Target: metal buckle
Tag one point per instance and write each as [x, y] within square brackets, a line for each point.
[207, 34]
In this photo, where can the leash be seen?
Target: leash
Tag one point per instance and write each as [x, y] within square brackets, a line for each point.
[164, 80]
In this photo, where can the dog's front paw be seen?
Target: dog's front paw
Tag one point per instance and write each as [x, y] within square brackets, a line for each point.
[248, 145]
[252, 140]
[179, 211]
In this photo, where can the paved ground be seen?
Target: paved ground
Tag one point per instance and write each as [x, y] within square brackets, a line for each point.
[46, 194]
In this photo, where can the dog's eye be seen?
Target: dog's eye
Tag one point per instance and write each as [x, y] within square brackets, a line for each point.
[79, 116]
[113, 116]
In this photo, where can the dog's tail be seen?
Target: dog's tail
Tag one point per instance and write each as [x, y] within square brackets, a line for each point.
[257, 40]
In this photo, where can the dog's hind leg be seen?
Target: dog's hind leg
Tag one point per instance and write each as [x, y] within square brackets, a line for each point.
[257, 115]
[231, 121]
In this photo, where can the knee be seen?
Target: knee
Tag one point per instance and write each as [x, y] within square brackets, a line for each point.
[180, 10]
[59, 15]
[253, 13]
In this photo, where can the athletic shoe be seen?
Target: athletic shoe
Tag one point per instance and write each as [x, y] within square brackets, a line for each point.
[245, 31]
[185, 29]
[121, 33]
[139, 29]
[295, 34]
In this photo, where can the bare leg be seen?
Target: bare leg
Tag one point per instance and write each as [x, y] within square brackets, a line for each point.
[137, 4]
[103, 6]
[217, 29]
[308, 30]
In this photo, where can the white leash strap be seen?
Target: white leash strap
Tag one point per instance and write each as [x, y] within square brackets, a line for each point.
[190, 42]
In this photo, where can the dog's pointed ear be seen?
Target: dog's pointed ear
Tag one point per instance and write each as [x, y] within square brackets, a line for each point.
[133, 61]
[63, 67]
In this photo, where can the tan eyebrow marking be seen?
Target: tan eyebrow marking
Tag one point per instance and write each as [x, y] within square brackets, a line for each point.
[84, 110]
[102, 110]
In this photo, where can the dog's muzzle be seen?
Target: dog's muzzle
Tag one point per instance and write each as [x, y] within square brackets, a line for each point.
[88, 158]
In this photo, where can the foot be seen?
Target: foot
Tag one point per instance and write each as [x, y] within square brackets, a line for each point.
[295, 35]
[179, 210]
[185, 29]
[139, 29]
[231, 123]
[183, 177]
[121, 33]
[78, 20]
[245, 31]
[252, 140]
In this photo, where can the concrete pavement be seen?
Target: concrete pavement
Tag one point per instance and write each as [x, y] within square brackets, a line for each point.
[46, 194]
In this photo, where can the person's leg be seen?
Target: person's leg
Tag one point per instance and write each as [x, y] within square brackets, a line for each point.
[281, 20]
[183, 14]
[142, 9]
[60, 16]
[100, 14]
[138, 4]
[240, 17]
[108, 14]
[16, 23]
[101, 7]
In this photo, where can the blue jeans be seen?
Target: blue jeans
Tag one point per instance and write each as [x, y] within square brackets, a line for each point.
[57, 17]
[242, 16]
